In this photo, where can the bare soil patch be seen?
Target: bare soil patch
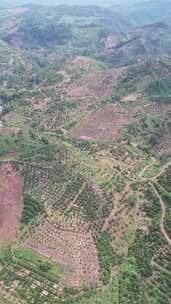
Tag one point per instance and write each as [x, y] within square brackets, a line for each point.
[10, 202]
[76, 252]
[131, 97]
[98, 84]
[82, 63]
[105, 124]
[42, 106]
[10, 131]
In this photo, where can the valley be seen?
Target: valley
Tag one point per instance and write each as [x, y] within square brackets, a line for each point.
[85, 156]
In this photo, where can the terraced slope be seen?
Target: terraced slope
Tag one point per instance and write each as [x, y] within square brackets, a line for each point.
[85, 158]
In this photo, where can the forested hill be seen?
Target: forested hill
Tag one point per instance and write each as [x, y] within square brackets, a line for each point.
[85, 153]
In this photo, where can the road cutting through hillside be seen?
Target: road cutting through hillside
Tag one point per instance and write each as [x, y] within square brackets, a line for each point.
[165, 167]
[163, 209]
[162, 204]
[146, 167]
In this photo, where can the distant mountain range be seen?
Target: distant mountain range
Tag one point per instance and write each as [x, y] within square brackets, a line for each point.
[140, 12]
[151, 11]
[9, 3]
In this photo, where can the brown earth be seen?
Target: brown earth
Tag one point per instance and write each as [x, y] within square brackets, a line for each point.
[131, 97]
[105, 124]
[82, 63]
[42, 106]
[75, 252]
[88, 88]
[97, 84]
[9, 116]
[11, 131]
[10, 202]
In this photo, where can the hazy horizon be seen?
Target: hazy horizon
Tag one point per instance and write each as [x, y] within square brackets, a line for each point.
[12, 3]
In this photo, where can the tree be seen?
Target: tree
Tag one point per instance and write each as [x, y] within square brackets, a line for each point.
[44, 266]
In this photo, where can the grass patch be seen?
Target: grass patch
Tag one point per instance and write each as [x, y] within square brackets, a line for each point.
[106, 296]
[31, 208]
[107, 256]
[44, 265]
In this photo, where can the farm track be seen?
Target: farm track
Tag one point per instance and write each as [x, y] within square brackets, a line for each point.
[162, 204]
[165, 167]
[72, 203]
[114, 211]
[163, 208]
[145, 168]
[126, 191]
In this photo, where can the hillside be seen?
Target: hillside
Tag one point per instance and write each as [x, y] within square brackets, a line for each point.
[85, 155]
[147, 12]
[140, 43]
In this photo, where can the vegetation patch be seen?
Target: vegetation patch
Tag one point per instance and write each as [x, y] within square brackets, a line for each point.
[31, 208]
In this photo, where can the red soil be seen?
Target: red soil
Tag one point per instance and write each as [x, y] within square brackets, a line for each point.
[10, 202]
[132, 97]
[97, 84]
[82, 63]
[105, 124]
[42, 106]
[10, 131]
[76, 252]
[79, 91]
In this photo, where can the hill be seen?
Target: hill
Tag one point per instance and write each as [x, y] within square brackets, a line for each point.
[85, 156]
[148, 41]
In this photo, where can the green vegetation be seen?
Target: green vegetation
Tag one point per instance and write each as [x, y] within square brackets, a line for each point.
[42, 34]
[29, 256]
[166, 196]
[145, 245]
[107, 256]
[159, 90]
[7, 143]
[88, 204]
[130, 284]
[132, 200]
[31, 208]
[107, 296]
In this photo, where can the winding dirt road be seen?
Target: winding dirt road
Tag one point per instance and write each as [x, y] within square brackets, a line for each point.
[165, 167]
[163, 208]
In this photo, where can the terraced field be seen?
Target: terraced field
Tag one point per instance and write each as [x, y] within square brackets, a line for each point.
[85, 156]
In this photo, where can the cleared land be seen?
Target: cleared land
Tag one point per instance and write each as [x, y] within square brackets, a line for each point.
[10, 202]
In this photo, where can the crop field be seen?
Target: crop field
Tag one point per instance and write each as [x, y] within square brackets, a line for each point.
[85, 154]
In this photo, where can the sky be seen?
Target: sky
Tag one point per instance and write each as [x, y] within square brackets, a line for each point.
[69, 2]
